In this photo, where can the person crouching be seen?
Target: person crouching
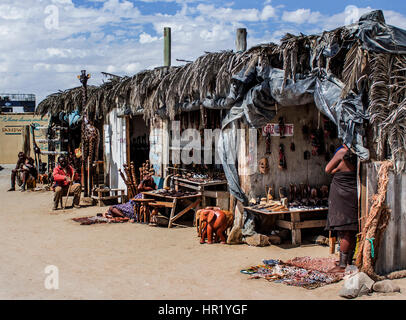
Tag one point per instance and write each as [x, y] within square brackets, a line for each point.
[64, 175]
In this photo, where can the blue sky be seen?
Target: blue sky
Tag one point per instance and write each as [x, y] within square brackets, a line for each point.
[45, 43]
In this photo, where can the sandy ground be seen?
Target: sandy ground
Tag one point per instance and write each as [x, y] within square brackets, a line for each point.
[130, 261]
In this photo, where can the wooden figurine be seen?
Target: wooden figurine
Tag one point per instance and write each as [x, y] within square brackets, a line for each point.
[213, 220]
[263, 166]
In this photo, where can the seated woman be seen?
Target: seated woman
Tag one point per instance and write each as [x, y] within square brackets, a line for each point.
[127, 209]
[147, 184]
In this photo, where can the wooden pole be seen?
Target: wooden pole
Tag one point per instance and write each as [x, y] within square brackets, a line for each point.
[70, 185]
[89, 191]
[167, 47]
[241, 39]
[332, 243]
[26, 140]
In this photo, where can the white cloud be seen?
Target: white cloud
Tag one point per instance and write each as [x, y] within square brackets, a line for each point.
[268, 12]
[147, 38]
[8, 12]
[217, 32]
[132, 68]
[300, 16]
[228, 14]
[395, 18]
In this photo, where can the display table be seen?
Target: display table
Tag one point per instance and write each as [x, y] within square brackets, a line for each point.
[201, 187]
[295, 224]
[173, 203]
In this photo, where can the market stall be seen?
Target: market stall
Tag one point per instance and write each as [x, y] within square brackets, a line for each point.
[180, 203]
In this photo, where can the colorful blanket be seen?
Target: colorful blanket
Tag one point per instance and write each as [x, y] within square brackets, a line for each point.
[306, 272]
[99, 219]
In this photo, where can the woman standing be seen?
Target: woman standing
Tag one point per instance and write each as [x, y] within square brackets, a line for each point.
[343, 204]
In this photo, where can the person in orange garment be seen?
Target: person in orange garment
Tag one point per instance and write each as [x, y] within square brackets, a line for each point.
[63, 175]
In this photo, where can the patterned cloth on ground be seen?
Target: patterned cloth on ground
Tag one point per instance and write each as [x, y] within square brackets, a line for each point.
[99, 219]
[306, 272]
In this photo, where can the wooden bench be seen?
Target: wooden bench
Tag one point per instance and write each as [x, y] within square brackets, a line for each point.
[117, 193]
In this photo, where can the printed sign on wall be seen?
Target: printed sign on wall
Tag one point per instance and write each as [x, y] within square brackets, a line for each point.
[273, 130]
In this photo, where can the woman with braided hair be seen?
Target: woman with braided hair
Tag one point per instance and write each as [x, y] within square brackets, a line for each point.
[343, 203]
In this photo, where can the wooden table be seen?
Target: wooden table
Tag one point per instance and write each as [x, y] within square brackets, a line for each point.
[201, 187]
[295, 225]
[171, 202]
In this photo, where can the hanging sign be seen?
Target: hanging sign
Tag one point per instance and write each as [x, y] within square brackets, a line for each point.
[273, 130]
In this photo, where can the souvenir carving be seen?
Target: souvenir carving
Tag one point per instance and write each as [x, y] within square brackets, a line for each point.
[282, 158]
[281, 127]
[263, 166]
[268, 143]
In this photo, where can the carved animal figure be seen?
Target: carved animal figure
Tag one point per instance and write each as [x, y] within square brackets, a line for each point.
[229, 217]
[198, 223]
[213, 222]
[90, 141]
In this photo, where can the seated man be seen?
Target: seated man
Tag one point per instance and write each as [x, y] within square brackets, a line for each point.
[29, 172]
[20, 162]
[64, 175]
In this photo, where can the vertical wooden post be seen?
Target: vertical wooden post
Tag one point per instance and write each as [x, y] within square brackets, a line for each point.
[241, 39]
[89, 168]
[231, 206]
[296, 232]
[127, 139]
[167, 47]
[26, 140]
[332, 243]
[363, 202]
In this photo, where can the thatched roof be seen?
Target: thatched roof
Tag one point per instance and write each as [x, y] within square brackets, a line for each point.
[209, 76]
[63, 101]
[382, 76]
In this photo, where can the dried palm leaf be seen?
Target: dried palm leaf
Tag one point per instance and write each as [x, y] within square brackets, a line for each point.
[354, 65]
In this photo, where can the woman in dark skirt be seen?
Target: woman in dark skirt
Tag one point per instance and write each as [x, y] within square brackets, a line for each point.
[343, 204]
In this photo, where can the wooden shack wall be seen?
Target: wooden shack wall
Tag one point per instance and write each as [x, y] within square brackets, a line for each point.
[392, 250]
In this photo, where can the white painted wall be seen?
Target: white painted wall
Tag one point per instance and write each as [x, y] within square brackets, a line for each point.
[115, 148]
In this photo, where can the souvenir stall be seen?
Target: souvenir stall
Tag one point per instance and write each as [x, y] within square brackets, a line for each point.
[290, 184]
[203, 174]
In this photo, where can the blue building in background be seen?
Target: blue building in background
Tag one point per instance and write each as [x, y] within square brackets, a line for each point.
[17, 103]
